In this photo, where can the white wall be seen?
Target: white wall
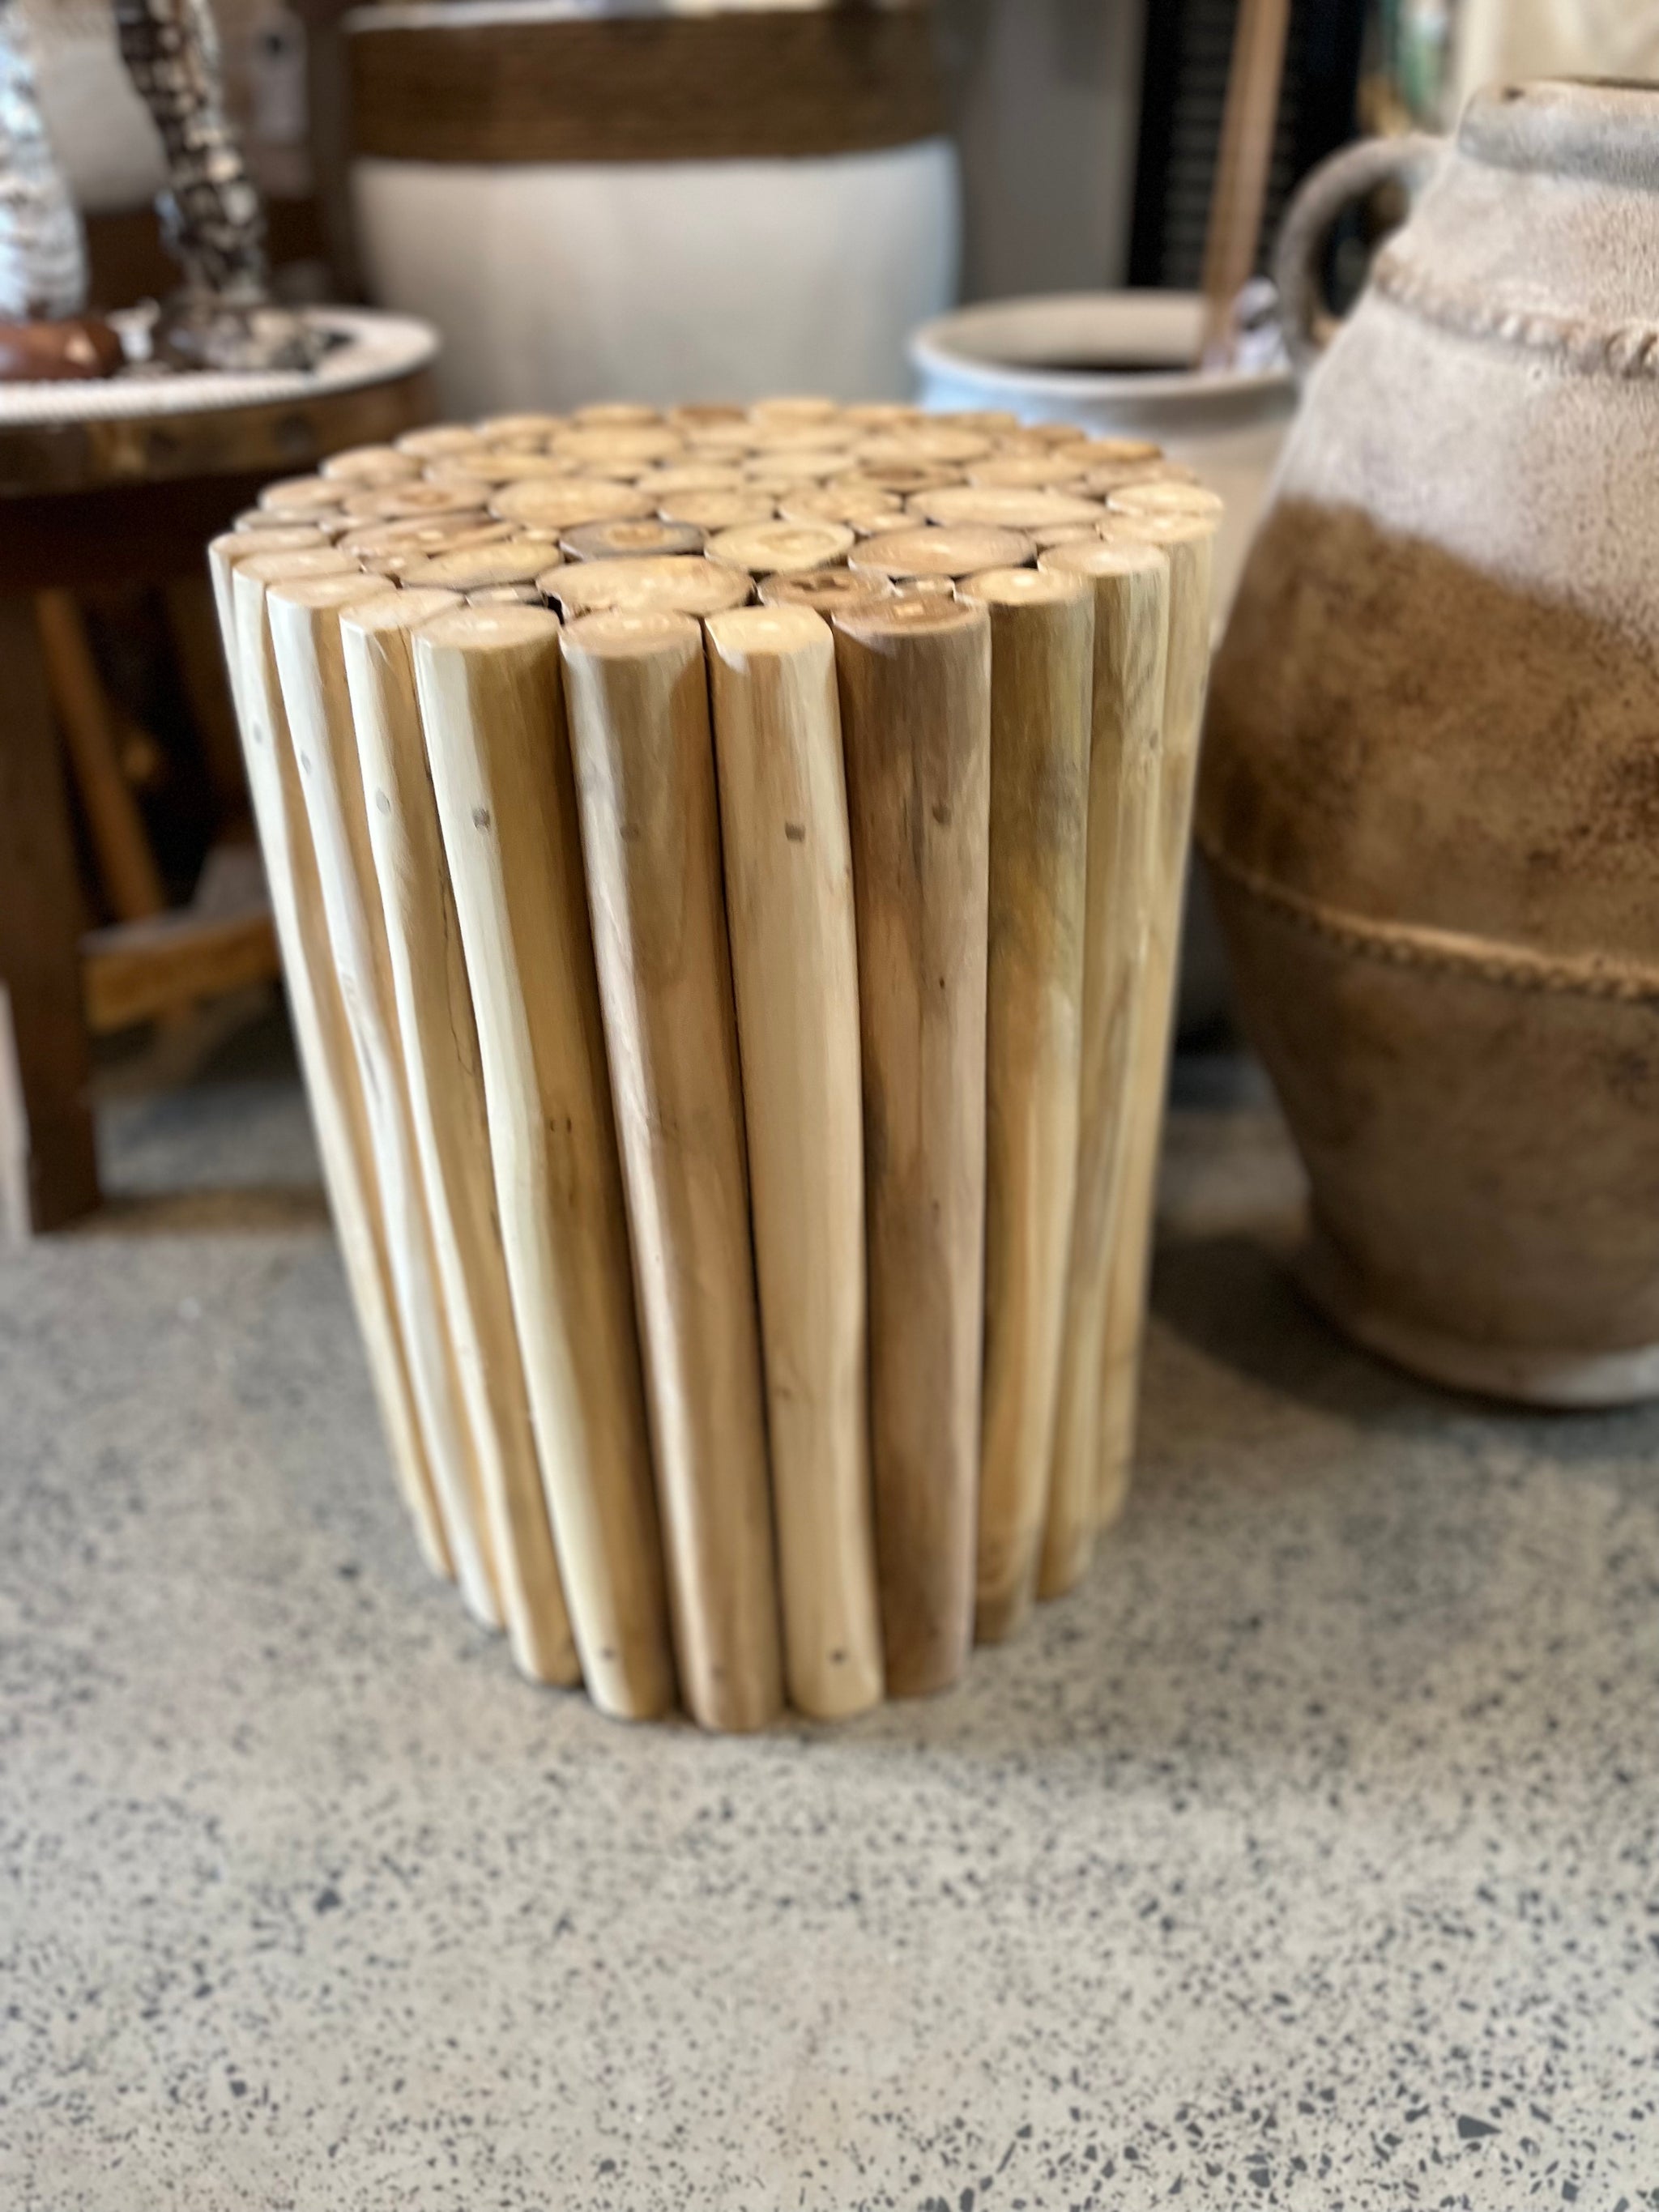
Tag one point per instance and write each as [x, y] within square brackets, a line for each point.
[1049, 104]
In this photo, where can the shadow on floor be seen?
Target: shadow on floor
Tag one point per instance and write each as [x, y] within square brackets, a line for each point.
[203, 1128]
[1233, 1298]
[242, 1210]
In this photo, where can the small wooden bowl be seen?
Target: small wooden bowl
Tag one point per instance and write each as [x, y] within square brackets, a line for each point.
[79, 347]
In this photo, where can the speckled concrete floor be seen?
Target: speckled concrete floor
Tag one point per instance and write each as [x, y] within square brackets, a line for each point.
[1306, 1858]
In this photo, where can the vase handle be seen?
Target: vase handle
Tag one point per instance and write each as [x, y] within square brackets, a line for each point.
[1322, 197]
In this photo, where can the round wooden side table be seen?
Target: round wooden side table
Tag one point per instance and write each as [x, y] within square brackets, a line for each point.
[125, 482]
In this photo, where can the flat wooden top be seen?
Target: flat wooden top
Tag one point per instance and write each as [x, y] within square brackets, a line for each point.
[116, 432]
[389, 521]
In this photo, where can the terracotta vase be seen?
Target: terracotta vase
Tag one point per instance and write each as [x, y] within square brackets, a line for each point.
[1430, 798]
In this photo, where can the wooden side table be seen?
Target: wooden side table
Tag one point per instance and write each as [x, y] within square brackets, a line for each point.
[125, 482]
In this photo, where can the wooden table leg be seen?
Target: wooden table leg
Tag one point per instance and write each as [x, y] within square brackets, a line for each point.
[127, 872]
[40, 930]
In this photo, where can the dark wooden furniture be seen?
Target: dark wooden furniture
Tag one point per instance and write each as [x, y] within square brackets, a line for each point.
[116, 500]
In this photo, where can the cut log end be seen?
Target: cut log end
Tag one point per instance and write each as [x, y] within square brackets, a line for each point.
[928, 616]
[490, 630]
[682, 584]
[780, 548]
[751, 634]
[1130, 555]
[628, 633]
[825, 590]
[1013, 587]
[930, 550]
[630, 539]
[398, 611]
[1166, 495]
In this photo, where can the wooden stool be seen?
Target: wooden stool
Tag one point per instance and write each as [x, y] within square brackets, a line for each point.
[123, 483]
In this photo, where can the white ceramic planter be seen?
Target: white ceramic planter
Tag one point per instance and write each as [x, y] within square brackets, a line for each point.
[559, 282]
[652, 199]
[1229, 427]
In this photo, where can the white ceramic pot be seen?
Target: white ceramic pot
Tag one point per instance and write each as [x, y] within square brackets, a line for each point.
[1037, 358]
[1045, 359]
[572, 282]
[729, 271]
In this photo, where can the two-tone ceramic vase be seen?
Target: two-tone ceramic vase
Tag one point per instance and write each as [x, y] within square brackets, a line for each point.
[1430, 795]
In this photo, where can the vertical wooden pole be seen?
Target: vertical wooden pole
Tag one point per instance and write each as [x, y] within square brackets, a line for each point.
[795, 964]
[442, 1069]
[1243, 158]
[1041, 666]
[240, 580]
[1131, 628]
[305, 632]
[638, 702]
[1187, 540]
[915, 678]
[225, 552]
[492, 711]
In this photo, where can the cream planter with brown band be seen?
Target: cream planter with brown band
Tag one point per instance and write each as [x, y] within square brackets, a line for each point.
[640, 200]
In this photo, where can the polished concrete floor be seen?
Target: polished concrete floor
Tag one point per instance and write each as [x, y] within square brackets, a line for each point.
[1309, 1856]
